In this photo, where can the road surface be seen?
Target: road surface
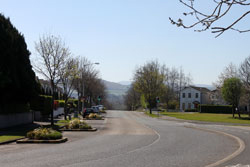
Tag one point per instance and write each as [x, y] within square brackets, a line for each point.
[131, 139]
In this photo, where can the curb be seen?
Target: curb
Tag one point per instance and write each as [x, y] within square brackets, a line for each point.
[229, 157]
[79, 130]
[11, 141]
[26, 140]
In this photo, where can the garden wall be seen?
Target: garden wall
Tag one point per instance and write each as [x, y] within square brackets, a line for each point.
[14, 119]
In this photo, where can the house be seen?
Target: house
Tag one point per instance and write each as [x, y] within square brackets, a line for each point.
[192, 96]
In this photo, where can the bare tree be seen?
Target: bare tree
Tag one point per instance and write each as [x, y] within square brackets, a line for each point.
[220, 9]
[52, 54]
[68, 74]
[244, 71]
[88, 83]
[230, 71]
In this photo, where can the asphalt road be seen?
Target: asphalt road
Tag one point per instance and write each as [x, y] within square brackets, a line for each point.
[131, 139]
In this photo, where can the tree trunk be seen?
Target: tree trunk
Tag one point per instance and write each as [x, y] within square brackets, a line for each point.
[233, 109]
[150, 110]
[249, 109]
[52, 110]
[66, 108]
[238, 110]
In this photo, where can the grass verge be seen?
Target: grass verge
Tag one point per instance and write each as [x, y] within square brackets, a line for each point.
[151, 115]
[5, 138]
[223, 118]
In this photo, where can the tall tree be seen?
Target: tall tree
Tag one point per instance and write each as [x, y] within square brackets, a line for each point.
[230, 71]
[218, 11]
[52, 55]
[18, 83]
[68, 74]
[149, 81]
[88, 83]
[132, 98]
[231, 92]
[244, 71]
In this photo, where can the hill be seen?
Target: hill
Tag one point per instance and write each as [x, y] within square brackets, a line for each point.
[115, 88]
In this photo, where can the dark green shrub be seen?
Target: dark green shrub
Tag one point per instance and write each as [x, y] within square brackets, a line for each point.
[173, 104]
[191, 110]
[220, 109]
[47, 105]
[14, 108]
[42, 103]
[44, 134]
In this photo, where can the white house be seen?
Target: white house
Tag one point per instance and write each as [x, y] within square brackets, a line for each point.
[192, 96]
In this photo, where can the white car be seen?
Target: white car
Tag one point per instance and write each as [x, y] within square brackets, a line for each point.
[100, 107]
[95, 108]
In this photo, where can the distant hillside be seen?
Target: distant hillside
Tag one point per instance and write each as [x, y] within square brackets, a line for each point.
[115, 92]
[115, 88]
[127, 83]
[210, 87]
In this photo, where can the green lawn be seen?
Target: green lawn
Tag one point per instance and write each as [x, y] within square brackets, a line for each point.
[224, 118]
[7, 138]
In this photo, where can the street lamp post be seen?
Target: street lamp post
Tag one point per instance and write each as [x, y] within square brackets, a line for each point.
[85, 65]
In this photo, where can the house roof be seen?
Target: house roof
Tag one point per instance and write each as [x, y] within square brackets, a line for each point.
[202, 89]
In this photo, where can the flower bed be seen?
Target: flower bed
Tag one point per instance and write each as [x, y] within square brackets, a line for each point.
[78, 125]
[43, 135]
[93, 116]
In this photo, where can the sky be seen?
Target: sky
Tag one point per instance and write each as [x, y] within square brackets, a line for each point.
[124, 34]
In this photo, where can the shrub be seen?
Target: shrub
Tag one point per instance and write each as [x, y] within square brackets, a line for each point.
[220, 109]
[42, 103]
[191, 110]
[44, 134]
[61, 103]
[77, 124]
[173, 104]
[103, 111]
[14, 108]
[94, 116]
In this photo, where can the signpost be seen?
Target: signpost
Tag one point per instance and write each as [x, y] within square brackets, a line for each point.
[157, 102]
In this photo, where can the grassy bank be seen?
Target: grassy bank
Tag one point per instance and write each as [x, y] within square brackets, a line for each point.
[224, 118]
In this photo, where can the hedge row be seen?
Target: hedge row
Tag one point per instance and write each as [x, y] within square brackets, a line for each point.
[221, 109]
[61, 103]
[42, 103]
[13, 108]
[191, 110]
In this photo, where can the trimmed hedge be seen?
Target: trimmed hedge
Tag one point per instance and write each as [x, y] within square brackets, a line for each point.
[10, 108]
[42, 103]
[61, 103]
[191, 110]
[220, 109]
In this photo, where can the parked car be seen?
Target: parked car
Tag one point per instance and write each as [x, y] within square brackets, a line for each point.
[100, 107]
[88, 111]
[95, 108]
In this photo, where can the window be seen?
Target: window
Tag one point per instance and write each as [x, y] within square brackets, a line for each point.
[183, 95]
[189, 105]
[196, 95]
[183, 106]
[189, 95]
